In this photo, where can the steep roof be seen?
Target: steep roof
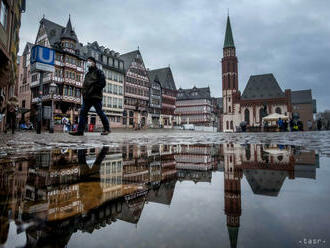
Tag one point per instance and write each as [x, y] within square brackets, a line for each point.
[53, 30]
[301, 96]
[68, 32]
[194, 94]
[28, 48]
[165, 77]
[262, 87]
[129, 57]
[265, 182]
[229, 40]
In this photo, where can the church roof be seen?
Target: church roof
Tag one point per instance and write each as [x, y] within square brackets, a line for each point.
[165, 77]
[229, 40]
[233, 235]
[301, 96]
[194, 94]
[129, 57]
[265, 182]
[262, 86]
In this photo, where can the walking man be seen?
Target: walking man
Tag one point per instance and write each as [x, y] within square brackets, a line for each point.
[92, 93]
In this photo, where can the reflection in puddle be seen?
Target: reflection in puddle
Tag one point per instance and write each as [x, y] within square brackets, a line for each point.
[51, 195]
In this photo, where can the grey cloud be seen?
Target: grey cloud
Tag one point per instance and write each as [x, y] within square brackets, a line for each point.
[289, 38]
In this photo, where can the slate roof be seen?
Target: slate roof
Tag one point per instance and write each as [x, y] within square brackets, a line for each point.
[128, 58]
[165, 77]
[68, 32]
[265, 182]
[55, 31]
[262, 86]
[301, 96]
[229, 40]
[194, 94]
[28, 48]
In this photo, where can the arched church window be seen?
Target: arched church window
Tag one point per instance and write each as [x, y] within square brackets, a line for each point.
[228, 82]
[278, 110]
[229, 109]
[247, 116]
[231, 125]
[227, 125]
[261, 112]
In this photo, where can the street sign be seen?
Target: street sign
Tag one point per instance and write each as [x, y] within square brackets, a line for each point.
[42, 59]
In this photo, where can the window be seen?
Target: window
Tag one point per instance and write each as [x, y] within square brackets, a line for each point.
[120, 90]
[23, 104]
[120, 103]
[115, 102]
[115, 89]
[3, 15]
[231, 125]
[247, 116]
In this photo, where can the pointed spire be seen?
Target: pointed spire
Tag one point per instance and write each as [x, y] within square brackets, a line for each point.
[229, 40]
[233, 235]
[68, 31]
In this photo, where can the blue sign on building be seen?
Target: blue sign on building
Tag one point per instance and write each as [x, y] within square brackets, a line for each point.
[43, 55]
[42, 58]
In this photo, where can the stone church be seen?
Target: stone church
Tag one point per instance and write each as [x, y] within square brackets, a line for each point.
[262, 95]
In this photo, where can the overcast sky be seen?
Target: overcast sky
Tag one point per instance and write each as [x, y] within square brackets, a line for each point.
[289, 38]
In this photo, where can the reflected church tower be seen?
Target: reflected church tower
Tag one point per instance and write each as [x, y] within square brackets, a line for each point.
[233, 175]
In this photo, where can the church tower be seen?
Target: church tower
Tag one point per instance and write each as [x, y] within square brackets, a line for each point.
[232, 184]
[229, 82]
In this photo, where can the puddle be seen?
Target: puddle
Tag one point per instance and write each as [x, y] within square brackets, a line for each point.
[227, 195]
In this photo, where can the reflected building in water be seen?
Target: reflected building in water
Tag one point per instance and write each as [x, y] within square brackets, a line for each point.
[265, 168]
[62, 191]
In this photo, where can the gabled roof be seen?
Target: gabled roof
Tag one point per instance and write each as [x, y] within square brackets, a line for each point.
[165, 77]
[128, 58]
[301, 96]
[194, 94]
[53, 30]
[229, 40]
[265, 182]
[262, 87]
[28, 48]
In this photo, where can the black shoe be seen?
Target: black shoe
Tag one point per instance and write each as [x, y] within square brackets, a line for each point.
[75, 133]
[106, 132]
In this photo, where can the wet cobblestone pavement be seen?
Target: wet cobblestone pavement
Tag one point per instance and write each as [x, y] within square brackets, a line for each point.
[24, 141]
[165, 189]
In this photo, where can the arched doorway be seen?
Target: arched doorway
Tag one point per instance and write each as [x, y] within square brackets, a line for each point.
[247, 116]
[278, 110]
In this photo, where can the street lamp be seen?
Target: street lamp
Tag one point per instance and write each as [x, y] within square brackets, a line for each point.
[52, 91]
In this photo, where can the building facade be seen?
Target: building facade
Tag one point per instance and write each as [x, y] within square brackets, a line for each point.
[10, 22]
[155, 102]
[193, 106]
[68, 75]
[168, 95]
[136, 91]
[303, 106]
[113, 94]
[262, 95]
[24, 81]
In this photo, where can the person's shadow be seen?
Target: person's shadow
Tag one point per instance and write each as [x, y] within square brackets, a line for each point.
[90, 163]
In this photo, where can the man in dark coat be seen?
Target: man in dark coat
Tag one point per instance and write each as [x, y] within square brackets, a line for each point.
[92, 93]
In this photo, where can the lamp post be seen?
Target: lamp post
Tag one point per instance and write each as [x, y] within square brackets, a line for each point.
[52, 91]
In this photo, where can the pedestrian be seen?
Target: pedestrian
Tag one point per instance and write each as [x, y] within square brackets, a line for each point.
[319, 124]
[285, 126]
[92, 93]
[280, 124]
[291, 124]
[300, 126]
[12, 108]
[65, 124]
